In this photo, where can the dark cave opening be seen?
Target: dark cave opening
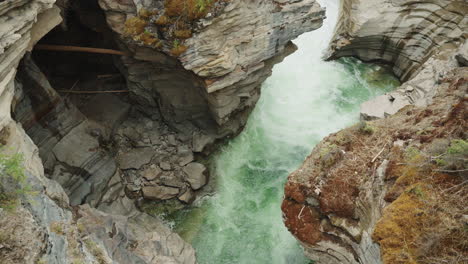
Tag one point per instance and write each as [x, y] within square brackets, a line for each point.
[66, 102]
[79, 76]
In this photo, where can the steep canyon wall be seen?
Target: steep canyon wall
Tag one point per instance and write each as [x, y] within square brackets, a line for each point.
[384, 191]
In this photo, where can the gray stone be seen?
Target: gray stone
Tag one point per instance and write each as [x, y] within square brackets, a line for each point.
[187, 197]
[186, 159]
[185, 155]
[152, 172]
[200, 140]
[155, 137]
[135, 158]
[171, 139]
[165, 166]
[152, 241]
[195, 175]
[171, 179]
[159, 192]
[78, 147]
[107, 110]
[462, 55]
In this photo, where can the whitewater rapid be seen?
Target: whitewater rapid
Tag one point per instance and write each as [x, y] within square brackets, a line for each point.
[303, 101]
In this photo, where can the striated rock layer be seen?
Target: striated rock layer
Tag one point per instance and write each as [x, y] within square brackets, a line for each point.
[392, 190]
[40, 226]
[404, 34]
[216, 81]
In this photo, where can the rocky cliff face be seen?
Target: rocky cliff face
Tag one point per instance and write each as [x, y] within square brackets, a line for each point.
[415, 38]
[38, 225]
[404, 34]
[229, 52]
[384, 191]
[193, 75]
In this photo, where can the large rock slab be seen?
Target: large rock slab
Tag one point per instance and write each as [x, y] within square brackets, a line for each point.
[107, 110]
[159, 192]
[135, 158]
[195, 175]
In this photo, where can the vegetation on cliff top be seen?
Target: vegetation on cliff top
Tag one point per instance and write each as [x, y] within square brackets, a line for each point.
[13, 183]
[425, 180]
[167, 29]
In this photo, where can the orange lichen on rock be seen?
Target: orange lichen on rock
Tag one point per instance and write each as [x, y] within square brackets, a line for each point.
[302, 221]
[295, 192]
[144, 13]
[162, 20]
[338, 196]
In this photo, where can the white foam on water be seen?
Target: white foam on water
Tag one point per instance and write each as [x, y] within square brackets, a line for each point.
[304, 100]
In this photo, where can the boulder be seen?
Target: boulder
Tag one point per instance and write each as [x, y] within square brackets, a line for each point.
[159, 192]
[152, 172]
[135, 158]
[195, 175]
[187, 197]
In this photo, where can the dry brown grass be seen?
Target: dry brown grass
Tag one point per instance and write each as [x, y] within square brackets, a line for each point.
[135, 26]
[158, 29]
[188, 9]
[426, 221]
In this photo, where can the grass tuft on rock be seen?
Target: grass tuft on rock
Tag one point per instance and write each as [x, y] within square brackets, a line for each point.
[13, 185]
[160, 29]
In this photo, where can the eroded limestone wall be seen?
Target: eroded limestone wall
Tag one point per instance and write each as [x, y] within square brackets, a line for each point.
[42, 226]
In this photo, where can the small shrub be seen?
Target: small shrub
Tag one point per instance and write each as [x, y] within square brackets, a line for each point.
[146, 13]
[96, 251]
[57, 228]
[458, 147]
[365, 128]
[183, 34]
[135, 26]
[202, 5]
[418, 191]
[189, 9]
[12, 181]
[162, 21]
[148, 39]
[177, 48]
[455, 157]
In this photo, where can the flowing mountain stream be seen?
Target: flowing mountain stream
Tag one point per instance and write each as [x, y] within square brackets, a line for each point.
[303, 101]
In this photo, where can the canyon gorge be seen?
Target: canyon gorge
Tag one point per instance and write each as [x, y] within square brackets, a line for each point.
[181, 131]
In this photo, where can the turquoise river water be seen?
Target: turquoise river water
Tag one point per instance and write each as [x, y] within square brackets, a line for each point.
[303, 101]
